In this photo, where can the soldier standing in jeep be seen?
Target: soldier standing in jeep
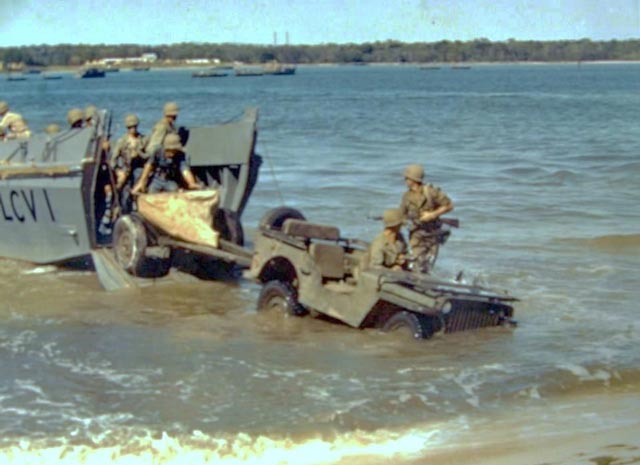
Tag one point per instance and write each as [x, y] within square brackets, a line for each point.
[422, 205]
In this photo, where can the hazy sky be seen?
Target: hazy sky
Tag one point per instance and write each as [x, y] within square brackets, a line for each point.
[26, 22]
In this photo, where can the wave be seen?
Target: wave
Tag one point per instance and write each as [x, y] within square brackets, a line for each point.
[612, 243]
[199, 448]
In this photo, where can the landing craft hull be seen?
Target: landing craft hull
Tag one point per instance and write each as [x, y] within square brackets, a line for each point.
[52, 187]
[43, 220]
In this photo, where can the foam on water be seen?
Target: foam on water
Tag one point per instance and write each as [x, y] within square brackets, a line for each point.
[241, 449]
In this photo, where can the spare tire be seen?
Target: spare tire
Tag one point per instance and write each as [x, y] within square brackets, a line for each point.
[274, 219]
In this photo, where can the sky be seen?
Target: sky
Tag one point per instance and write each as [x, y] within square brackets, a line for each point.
[154, 22]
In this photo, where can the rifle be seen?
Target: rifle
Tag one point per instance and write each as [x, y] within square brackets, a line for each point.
[453, 222]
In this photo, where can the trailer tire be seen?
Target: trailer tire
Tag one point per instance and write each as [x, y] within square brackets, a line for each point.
[282, 297]
[130, 244]
[227, 223]
[418, 325]
[275, 218]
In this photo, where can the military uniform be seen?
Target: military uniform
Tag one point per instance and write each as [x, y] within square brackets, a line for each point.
[163, 127]
[167, 171]
[129, 158]
[429, 198]
[386, 254]
[6, 120]
[158, 134]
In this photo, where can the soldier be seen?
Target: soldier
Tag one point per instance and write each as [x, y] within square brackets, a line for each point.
[75, 118]
[6, 118]
[128, 159]
[422, 205]
[91, 117]
[169, 167]
[389, 248]
[163, 127]
[52, 129]
[18, 129]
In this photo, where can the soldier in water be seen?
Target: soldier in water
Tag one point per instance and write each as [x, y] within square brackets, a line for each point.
[422, 205]
[389, 248]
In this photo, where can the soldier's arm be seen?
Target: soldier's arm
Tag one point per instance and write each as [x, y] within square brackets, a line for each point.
[187, 175]
[444, 205]
[156, 138]
[144, 177]
[115, 154]
[377, 256]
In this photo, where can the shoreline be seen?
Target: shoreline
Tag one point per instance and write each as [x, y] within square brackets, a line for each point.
[190, 66]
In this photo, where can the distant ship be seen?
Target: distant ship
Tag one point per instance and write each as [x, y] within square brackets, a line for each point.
[140, 68]
[91, 73]
[243, 71]
[278, 69]
[208, 73]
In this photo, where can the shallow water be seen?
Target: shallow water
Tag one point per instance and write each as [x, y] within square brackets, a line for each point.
[542, 164]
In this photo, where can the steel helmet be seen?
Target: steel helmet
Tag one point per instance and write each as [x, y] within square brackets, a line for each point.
[171, 109]
[392, 217]
[90, 112]
[131, 120]
[172, 142]
[74, 115]
[414, 172]
[53, 128]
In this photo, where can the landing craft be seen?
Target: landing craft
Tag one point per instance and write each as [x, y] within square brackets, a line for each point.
[52, 187]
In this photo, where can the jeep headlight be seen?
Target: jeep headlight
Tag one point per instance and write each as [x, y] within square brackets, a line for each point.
[446, 307]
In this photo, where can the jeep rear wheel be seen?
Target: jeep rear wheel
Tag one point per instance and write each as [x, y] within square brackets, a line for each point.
[281, 297]
[415, 325]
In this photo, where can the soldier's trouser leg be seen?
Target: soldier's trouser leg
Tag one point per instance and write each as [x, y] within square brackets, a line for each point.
[162, 185]
[424, 249]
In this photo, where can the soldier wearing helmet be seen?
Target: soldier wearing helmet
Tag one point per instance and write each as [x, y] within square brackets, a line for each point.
[128, 159]
[422, 205]
[165, 126]
[75, 118]
[389, 248]
[18, 129]
[6, 118]
[91, 117]
[169, 169]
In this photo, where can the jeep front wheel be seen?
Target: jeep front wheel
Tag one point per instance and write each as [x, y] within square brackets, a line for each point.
[413, 324]
[280, 297]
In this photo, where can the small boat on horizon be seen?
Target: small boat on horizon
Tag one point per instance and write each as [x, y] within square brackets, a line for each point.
[244, 71]
[278, 69]
[91, 73]
[140, 68]
[208, 73]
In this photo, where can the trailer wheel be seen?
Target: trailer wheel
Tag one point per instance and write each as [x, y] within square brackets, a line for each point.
[418, 326]
[281, 297]
[275, 218]
[227, 223]
[130, 244]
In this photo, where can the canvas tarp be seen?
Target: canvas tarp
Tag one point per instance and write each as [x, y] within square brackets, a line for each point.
[187, 216]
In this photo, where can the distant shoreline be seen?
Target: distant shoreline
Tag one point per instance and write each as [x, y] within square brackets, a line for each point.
[190, 66]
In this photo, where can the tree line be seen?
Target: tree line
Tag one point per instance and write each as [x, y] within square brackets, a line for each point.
[390, 51]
